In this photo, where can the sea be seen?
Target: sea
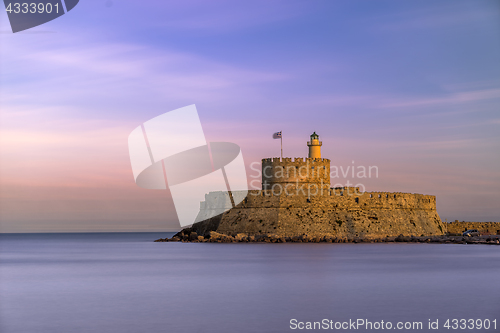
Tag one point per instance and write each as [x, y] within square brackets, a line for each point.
[125, 282]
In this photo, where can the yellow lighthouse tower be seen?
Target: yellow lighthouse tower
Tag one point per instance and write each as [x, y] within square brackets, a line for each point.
[314, 146]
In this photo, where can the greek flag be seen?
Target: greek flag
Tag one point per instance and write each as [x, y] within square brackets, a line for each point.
[277, 135]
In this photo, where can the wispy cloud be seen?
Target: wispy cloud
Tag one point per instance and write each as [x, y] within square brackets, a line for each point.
[437, 16]
[228, 16]
[447, 98]
[120, 72]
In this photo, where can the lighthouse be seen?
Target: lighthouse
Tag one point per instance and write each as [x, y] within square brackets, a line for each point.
[314, 146]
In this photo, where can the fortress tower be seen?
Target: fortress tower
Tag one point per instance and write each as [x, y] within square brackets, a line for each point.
[283, 174]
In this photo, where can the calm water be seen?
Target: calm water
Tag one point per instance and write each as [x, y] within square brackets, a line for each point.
[126, 283]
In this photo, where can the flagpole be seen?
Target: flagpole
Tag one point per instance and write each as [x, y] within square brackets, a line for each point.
[281, 139]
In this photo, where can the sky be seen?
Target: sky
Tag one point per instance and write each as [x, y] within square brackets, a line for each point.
[411, 87]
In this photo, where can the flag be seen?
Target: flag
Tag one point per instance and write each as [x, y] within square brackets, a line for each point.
[277, 135]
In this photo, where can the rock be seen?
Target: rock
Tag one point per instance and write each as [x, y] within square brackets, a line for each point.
[241, 237]
[215, 235]
[188, 235]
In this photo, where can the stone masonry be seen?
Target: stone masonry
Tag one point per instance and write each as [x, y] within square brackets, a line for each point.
[339, 212]
[296, 199]
[490, 228]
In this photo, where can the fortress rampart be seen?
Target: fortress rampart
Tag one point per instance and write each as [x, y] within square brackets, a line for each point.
[333, 213]
[489, 228]
[350, 197]
[334, 198]
[296, 199]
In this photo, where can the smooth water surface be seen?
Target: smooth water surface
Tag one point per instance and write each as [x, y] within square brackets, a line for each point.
[125, 282]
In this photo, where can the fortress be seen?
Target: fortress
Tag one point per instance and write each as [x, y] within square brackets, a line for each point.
[296, 199]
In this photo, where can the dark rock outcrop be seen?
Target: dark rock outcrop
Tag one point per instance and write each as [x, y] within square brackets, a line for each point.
[215, 237]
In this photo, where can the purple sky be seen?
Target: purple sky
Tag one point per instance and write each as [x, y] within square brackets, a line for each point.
[412, 87]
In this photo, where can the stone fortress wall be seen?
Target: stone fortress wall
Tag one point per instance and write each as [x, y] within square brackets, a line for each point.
[340, 197]
[487, 228]
[333, 213]
[296, 199]
[298, 172]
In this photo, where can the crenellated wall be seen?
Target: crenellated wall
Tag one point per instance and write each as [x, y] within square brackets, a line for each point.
[296, 199]
[339, 212]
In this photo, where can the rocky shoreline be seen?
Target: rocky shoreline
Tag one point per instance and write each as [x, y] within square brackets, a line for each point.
[186, 236]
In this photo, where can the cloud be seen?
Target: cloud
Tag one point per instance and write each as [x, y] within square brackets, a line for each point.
[451, 98]
[80, 155]
[120, 75]
[75, 177]
[227, 19]
[224, 16]
[437, 16]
